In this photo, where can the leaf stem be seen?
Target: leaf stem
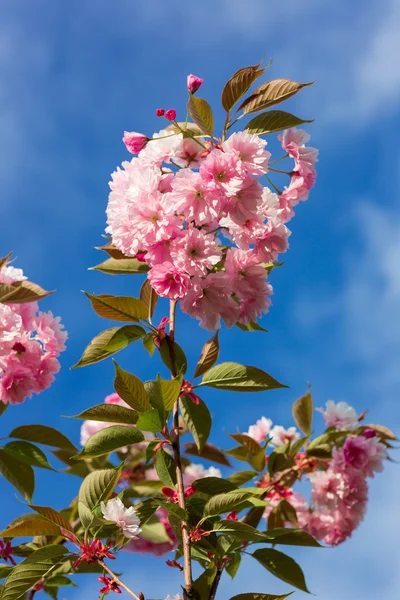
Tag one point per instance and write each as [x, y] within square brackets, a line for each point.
[118, 581]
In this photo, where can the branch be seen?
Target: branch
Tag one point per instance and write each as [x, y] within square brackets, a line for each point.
[215, 584]
[117, 580]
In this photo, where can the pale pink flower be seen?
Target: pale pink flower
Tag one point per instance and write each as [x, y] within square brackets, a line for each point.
[244, 202]
[89, 428]
[169, 281]
[11, 328]
[193, 83]
[161, 148]
[11, 274]
[220, 170]
[364, 455]
[197, 471]
[50, 332]
[244, 273]
[159, 253]
[209, 300]
[272, 241]
[327, 487]
[195, 252]
[260, 430]
[189, 154]
[193, 197]
[134, 142]
[250, 151]
[115, 399]
[125, 518]
[341, 416]
[281, 436]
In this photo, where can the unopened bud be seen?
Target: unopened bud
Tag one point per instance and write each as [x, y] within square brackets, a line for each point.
[193, 83]
[134, 142]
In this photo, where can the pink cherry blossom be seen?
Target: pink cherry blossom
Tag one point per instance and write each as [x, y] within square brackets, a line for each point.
[260, 430]
[161, 148]
[169, 281]
[281, 436]
[193, 197]
[50, 332]
[250, 151]
[134, 142]
[197, 471]
[125, 518]
[209, 300]
[195, 252]
[341, 416]
[364, 455]
[220, 170]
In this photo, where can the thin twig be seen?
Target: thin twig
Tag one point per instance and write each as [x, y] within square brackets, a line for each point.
[117, 580]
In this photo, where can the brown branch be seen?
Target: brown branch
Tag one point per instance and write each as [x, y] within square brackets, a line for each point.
[215, 584]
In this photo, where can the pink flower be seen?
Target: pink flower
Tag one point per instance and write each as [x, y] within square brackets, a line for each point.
[272, 241]
[221, 171]
[160, 112]
[163, 146]
[193, 83]
[197, 471]
[250, 151]
[195, 252]
[190, 152]
[193, 197]
[260, 430]
[244, 202]
[281, 436]
[341, 416]
[169, 281]
[125, 518]
[134, 142]
[50, 332]
[170, 114]
[364, 455]
[209, 300]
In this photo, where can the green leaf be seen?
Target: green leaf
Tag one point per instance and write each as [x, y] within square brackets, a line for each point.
[109, 342]
[122, 266]
[145, 510]
[19, 474]
[150, 421]
[60, 580]
[260, 596]
[30, 527]
[118, 308]
[255, 453]
[3, 408]
[201, 113]
[274, 120]
[109, 413]
[252, 326]
[148, 343]
[282, 566]
[98, 486]
[202, 585]
[235, 377]
[302, 411]
[179, 364]
[110, 439]
[28, 453]
[169, 391]
[292, 537]
[4, 572]
[222, 503]
[131, 389]
[383, 432]
[209, 452]
[197, 418]
[240, 530]
[270, 93]
[238, 85]
[214, 485]
[149, 297]
[86, 516]
[31, 570]
[53, 516]
[241, 477]
[233, 564]
[208, 356]
[165, 467]
[42, 434]
[254, 516]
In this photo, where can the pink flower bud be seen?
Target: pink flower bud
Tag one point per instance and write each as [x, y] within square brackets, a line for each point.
[134, 142]
[170, 114]
[160, 112]
[194, 83]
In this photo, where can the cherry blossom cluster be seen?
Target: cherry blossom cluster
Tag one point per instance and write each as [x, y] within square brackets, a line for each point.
[196, 212]
[30, 343]
[339, 488]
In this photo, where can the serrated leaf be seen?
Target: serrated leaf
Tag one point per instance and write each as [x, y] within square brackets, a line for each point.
[145, 510]
[150, 421]
[60, 581]
[238, 85]
[241, 378]
[109, 413]
[214, 485]
[149, 297]
[42, 434]
[165, 467]
[273, 120]
[21, 292]
[208, 356]
[131, 389]
[254, 516]
[222, 503]
[98, 486]
[240, 530]
[201, 113]
[282, 566]
[19, 474]
[4, 572]
[118, 308]
[53, 516]
[292, 537]
[110, 439]
[241, 477]
[197, 418]
[31, 570]
[122, 266]
[179, 364]
[169, 391]
[28, 453]
[209, 452]
[270, 93]
[85, 514]
[302, 411]
[31, 527]
[148, 343]
[95, 351]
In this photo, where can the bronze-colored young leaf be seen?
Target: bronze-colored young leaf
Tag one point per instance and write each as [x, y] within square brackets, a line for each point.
[302, 411]
[53, 516]
[149, 297]
[42, 434]
[131, 389]
[274, 120]
[121, 266]
[22, 291]
[30, 527]
[252, 326]
[4, 261]
[238, 85]
[201, 113]
[208, 356]
[109, 413]
[260, 596]
[118, 308]
[111, 251]
[208, 452]
[19, 474]
[384, 432]
[270, 93]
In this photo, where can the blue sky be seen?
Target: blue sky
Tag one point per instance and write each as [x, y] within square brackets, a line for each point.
[73, 76]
